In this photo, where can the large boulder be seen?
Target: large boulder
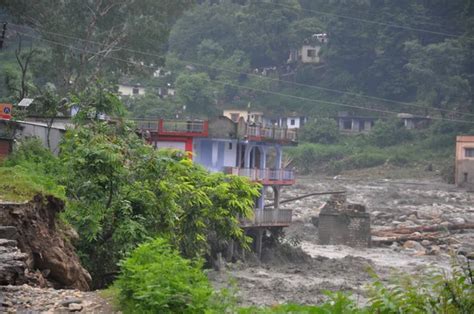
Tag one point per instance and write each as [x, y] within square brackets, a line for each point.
[45, 244]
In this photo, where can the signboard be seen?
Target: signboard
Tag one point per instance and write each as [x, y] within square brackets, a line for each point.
[6, 111]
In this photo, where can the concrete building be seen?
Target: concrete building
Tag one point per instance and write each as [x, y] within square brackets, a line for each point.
[240, 148]
[292, 121]
[464, 169]
[309, 52]
[127, 89]
[246, 115]
[349, 124]
[411, 121]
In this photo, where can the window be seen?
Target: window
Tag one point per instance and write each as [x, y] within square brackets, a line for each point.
[136, 91]
[311, 53]
[230, 146]
[469, 152]
[347, 125]
[292, 122]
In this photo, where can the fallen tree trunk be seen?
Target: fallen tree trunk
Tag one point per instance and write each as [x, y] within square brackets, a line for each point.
[410, 230]
[434, 236]
[306, 195]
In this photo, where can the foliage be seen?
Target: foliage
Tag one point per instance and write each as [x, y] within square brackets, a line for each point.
[435, 292]
[104, 26]
[324, 131]
[194, 91]
[29, 171]
[156, 279]
[123, 192]
[389, 133]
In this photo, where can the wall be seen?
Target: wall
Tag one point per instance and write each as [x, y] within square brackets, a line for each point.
[215, 154]
[40, 131]
[304, 54]
[346, 228]
[464, 173]
[127, 90]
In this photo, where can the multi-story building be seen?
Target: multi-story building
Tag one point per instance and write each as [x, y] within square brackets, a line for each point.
[464, 172]
[238, 148]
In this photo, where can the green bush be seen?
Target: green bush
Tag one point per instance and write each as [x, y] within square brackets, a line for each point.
[389, 133]
[156, 279]
[309, 157]
[324, 131]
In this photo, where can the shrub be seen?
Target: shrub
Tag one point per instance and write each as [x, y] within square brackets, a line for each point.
[156, 279]
[389, 133]
[324, 131]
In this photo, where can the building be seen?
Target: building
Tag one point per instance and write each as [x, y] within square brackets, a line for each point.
[240, 148]
[349, 124]
[309, 52]
[292, 121]
[464, 168]
[246, 115]
[131, 90]
[411, 121]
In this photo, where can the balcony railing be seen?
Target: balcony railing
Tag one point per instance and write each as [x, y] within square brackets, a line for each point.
[271, 133]
[269, 217]
[265, 176]
[174, 127]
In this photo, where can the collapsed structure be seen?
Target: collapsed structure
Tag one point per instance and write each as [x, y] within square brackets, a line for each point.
[241, 148]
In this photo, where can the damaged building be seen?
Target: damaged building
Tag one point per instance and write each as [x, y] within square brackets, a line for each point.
[464, 171]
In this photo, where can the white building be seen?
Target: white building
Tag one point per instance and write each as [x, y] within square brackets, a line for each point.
[131, 90]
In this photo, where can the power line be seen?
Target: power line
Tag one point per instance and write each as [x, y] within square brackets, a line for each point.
[371, 21]
[247, 87]
[315, 87]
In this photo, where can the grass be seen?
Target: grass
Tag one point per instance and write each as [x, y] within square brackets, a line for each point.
[20, 184]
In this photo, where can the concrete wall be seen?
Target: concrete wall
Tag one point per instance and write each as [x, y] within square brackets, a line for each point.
[347, 228]
[215, 154]
[222, 127]
[310, 59]
[252, 116]
[127, 90]
[41, 132]
[464, 173]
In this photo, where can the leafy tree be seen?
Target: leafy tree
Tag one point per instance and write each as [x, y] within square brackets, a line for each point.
[102, 27]
[389, 133]
[324, 131]
[195, 92]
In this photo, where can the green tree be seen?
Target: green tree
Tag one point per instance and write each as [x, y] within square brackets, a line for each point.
[195, 92]
[324, 131]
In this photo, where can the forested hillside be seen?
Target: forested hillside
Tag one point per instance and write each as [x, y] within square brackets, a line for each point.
[379, 54]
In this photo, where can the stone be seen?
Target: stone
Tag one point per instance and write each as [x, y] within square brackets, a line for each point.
[425, 242]
[434, 250]
[458, 220]
[8, 232]
[74, 307]
[413, 245]
[70, 301]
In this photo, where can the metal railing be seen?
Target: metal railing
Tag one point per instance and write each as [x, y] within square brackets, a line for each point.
[176, 126]
[147, 124]
[269, 217]
[272, 133]
[264, 175]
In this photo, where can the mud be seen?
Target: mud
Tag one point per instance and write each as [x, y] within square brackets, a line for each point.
[301, 270]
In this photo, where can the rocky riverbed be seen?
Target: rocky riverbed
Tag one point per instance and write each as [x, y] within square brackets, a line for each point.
[304, 276]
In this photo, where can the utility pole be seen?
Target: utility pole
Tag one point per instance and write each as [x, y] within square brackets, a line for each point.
[2, 38]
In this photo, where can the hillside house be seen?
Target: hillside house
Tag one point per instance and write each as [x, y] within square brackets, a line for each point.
[349, 124]
[464, 168]
[248, 116]
[240, 148]
[309, 52]
[411, 121]
[131, 90]
[292, 121]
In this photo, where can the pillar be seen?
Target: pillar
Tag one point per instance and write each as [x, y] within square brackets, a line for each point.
[276, 195]
[258, 243]
[278, 159]
[248, 149]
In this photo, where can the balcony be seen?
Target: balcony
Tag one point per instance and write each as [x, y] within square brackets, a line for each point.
[268, 218]
[265, 176]
[188, 128]
[261, 133]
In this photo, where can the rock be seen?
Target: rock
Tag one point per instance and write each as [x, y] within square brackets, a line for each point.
[70, 301]
[413, 217]
[74, 307]
[425, 242]
[8, 232]
[458, 220]
[434, 250]
[414, 246]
